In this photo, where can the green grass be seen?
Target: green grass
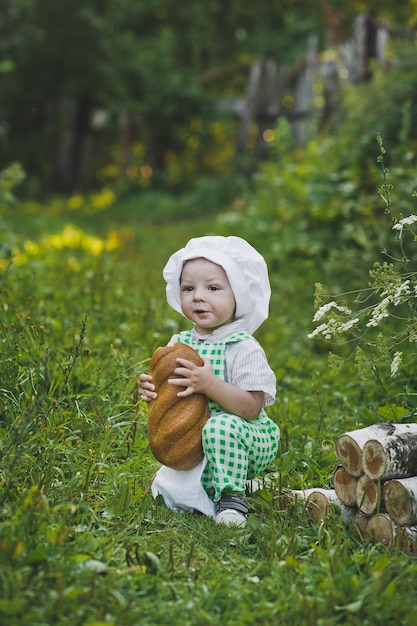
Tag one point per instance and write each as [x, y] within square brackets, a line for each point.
[82, 542]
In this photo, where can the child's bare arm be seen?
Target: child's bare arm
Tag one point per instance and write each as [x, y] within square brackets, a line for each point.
[246, 404]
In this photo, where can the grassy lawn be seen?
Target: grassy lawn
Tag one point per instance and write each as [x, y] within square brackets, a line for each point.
[81, 540]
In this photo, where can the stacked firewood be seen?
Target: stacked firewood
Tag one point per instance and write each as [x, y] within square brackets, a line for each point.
[375, 485]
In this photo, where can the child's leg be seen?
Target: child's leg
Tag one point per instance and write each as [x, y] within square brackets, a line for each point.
[236, 450]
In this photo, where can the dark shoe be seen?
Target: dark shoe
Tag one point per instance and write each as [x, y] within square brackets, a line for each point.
[231, 510]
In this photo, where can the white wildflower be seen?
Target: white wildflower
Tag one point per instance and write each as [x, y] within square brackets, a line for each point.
[406, 221]
[333, 327]
[348, 325]
[396, 362]
[379, 312]
[323, 329]
[321, 312]
[402, 290]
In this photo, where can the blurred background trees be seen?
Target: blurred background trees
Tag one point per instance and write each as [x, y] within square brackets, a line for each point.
[161, 93]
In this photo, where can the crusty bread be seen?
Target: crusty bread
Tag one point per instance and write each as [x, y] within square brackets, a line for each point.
[175, 424]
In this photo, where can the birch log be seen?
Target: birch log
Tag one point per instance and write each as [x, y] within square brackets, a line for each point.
[289, 497]
[368, 495]
[408, 539]
[321, 502]
[394, 456]
[345, 486]
[359, 525]
[349, 445]
[303, 494]
[382, 529]
[292, 496]
[400, 497]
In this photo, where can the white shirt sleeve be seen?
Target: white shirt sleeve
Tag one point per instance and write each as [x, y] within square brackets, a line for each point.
[247, 368]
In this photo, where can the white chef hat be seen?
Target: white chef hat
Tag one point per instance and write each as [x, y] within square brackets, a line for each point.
[245, 268]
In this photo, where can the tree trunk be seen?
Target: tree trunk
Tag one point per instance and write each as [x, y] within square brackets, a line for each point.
[250, 105]
[304, 93]
[365, 33]
[382, 529]
[345, 486]
[268, 107]
[261, 108]
[400, 497]
[81, 126]
[394, 456]
[349, 445]
[330, 76]
[368, 495]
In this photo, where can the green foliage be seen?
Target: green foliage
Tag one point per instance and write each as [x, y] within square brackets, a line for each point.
[127, 84]
[9, 179]
[366, 111]
[157, 67]
[82, 309]
[81, 537]
[379, 321]
[118, 77]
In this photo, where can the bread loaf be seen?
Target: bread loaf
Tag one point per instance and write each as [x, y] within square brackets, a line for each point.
[175, 424]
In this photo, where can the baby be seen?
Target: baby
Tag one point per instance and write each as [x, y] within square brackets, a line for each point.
[221, 285]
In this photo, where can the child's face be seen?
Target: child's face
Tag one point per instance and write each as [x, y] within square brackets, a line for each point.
[206, 295]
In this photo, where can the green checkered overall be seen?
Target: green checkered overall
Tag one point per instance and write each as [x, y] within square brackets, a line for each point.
[236, 449]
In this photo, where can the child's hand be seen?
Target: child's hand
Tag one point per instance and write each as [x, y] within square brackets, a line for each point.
[201, 379]
[146, 388]
[195, 378]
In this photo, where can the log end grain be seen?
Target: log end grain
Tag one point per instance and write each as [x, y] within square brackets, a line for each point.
[318, 506]
[345, 486]
[321, 503]
[398, 502]
[381, 529]
[359, 526]
[373, 459]
[349, 454]
[368, 495]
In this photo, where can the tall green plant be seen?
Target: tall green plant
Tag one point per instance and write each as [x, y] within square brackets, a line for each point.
[378, 324]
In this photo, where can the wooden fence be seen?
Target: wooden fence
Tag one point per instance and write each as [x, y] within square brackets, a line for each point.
[274, 91]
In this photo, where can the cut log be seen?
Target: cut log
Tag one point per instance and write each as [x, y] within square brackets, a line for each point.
[345, 486]
[303, 494]
[359, 525]
[349, 445]
[321, 502]
[382, 529]
[394, 456]
[299, 495]
[291, 496]
[368, 495]
[400, 497]
[408, 539]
